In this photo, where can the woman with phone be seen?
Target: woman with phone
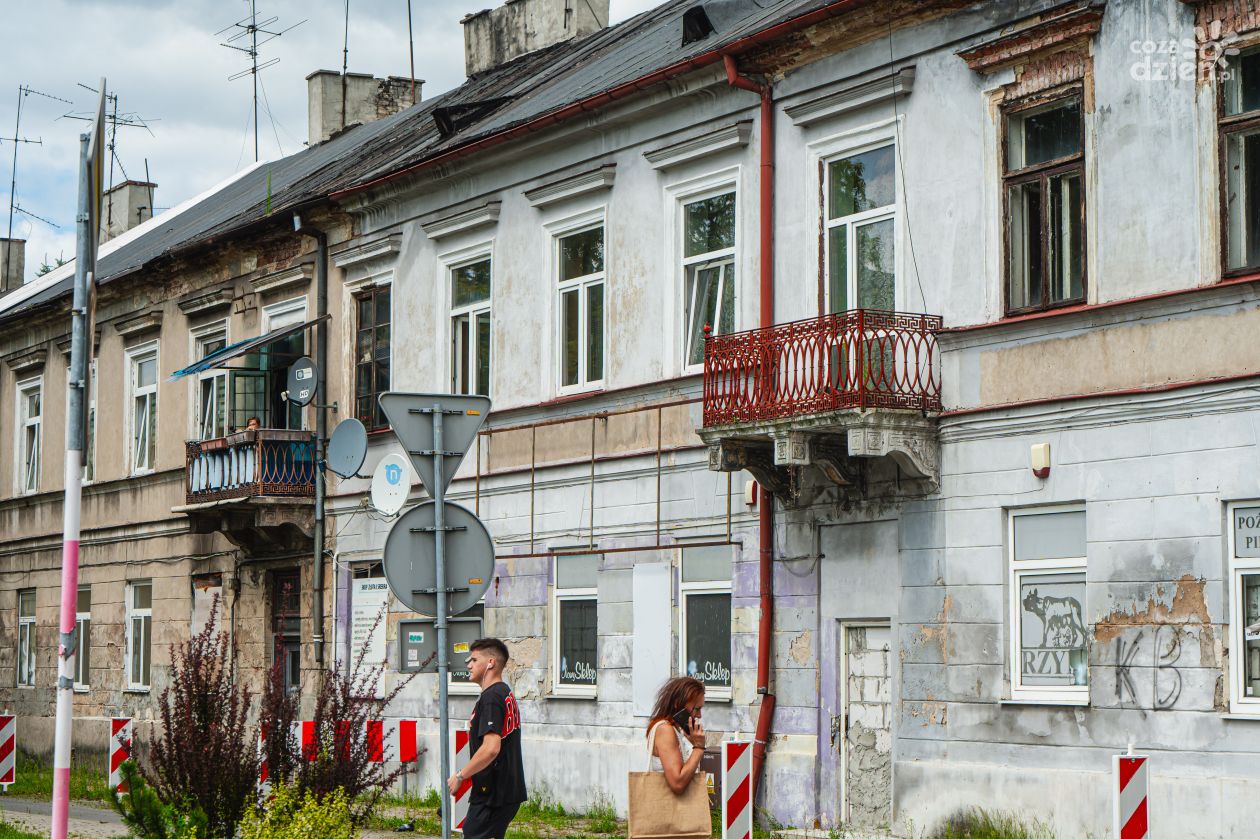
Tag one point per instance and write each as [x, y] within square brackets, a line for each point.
[675, 735]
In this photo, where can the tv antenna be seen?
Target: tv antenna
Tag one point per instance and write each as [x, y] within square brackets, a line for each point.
[17, 140]
[115, 120]
[245, 39]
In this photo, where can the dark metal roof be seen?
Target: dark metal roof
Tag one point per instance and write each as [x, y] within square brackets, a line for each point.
[526, 88]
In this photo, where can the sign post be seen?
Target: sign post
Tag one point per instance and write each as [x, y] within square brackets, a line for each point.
[436, 430]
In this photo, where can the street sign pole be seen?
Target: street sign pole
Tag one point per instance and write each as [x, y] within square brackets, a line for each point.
[439, 539]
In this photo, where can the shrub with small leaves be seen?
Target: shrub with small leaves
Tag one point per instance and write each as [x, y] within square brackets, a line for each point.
[147, 817]
[289, 814]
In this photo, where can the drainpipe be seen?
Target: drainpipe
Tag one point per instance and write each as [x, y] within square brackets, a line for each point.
[321, 426]
[765, 506]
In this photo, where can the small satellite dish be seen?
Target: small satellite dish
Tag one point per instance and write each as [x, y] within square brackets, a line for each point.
[391, 483]
[302, 381]
[347, 447]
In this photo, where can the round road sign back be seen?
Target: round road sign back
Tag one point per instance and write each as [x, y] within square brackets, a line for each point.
[302, 381]
[411, 562]
[391, 482]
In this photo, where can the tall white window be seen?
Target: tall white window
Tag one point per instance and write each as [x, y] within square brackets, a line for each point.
[212, 385]
[1244, 607]
[142, 414]
[30, 399]
[470, 327]
[139, 633]
[1049, 641]
[705, 639]
[26, 638]
[580, 275]
[83, 640]
[574, 646]
[708, 270]
[861, 225]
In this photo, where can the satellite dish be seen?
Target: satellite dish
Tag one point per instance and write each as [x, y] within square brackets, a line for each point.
[391, 483]
[302, 381]
[347, 447]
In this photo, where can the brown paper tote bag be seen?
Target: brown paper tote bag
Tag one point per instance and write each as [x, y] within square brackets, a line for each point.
[657, 813]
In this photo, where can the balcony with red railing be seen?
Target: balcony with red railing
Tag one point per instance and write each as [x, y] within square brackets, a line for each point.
[256, 486]
[871, 377]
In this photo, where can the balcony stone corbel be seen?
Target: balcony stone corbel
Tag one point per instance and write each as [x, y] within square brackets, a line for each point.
[915, 450]
[839, 467]
[738, 455]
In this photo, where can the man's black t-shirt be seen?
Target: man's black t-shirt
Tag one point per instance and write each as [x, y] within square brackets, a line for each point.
[503, 781]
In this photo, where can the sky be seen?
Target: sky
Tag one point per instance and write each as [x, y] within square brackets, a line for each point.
[164, 61]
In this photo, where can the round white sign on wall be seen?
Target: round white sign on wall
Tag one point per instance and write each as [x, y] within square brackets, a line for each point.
[391, 484]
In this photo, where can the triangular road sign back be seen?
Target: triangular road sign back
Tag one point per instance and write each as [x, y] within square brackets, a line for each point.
[411, 416]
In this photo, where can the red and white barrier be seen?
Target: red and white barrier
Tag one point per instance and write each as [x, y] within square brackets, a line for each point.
[401, 736]
[264, 771]
[1129, 815]
[737, 811]
[120, 734]
[8, 750]
[459, 801]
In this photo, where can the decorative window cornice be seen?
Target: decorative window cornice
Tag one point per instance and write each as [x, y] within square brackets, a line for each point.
[368, 252]
[27, 361]
[139, 323]
[203, 302]
[289, 277]
[851, 98]
[463, 220]
[63, 344]
[728, 137]
[1058, 30]
[572, 186]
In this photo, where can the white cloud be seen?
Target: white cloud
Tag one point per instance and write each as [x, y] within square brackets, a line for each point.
[163, 60]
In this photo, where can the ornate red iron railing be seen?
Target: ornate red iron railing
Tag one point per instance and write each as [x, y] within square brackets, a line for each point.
[265, 461]
[856, 359]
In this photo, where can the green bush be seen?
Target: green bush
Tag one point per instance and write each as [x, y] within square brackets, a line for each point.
[976, 823]
[147, 817]
[287, 815]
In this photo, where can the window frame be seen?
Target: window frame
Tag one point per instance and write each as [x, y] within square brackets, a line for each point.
[471, 311]
[678, 196]
[565, 595]
[284, 642]
[1042, 172]
[83, 640]
[1015, 570]
[89, 443]
[583, 284]
[1226, 127]
[27, 637]
[199, 337]
[725, 258]
[853, 221]
[134, 613]
[135, 357]
[1239, 567]
[28, 463]
[372, 292]
[288, 312]
[712, 693]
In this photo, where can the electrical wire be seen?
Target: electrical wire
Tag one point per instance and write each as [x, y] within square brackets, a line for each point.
[270, 115]
[901, 164]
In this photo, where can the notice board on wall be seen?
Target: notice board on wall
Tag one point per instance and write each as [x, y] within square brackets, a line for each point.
[368, 599]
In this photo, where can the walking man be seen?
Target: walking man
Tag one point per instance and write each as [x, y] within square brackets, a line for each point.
[494, 741]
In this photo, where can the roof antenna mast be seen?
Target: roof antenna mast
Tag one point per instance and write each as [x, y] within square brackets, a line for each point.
[114, 120]
[17, 140]
[245, 39]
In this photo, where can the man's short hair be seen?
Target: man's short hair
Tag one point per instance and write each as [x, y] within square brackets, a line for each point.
[494, 647]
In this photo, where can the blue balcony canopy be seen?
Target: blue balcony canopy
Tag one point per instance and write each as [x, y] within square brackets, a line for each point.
[219, 358]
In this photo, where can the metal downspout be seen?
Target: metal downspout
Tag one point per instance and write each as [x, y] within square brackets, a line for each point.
[765, 506]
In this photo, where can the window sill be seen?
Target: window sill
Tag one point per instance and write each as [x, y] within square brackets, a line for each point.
[1242, 716]
[572, 395]
[562, 693]
[82, 688]
[137, 690]
[1072, 702]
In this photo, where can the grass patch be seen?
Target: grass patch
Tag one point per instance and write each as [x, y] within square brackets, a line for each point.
[89, 778]
[983, 824]
[8, 831]
[541, 817]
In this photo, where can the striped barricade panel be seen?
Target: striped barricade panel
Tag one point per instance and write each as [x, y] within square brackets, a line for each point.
[459, 801]
[1129, 815]
[737, 811]
[8, 750]
[120, 734]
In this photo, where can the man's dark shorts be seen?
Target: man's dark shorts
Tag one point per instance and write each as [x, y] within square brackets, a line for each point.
[486, 822]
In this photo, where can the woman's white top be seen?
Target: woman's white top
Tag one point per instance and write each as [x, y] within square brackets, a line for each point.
[684, 745]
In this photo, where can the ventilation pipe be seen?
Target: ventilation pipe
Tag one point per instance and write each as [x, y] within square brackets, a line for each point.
[765, 507]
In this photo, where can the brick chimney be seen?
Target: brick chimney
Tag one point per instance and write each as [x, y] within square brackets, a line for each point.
[366, 99]
[127, 205]
[495, 36]
[12, 264]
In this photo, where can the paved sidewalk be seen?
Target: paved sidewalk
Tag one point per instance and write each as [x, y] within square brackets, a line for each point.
[85, 822]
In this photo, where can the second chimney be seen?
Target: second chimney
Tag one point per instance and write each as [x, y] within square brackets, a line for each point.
[127, 205]
[12, 264]
[366, 99]
[495, 36]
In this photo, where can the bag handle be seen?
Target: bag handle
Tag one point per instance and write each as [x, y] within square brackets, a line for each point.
[651, 742]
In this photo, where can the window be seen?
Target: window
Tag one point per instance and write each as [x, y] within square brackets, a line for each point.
[264, 395]
[580, 272]
[83, 640]
[1044, 182]
[212, 385]
[708, 271]
[861, 226]
[705, 641]
[26, 638]
[139, 633]
[1049, 641]
[575, 661]
[143, 408]
[286, 625]
[29, 433]
[372, 356]
[470, 328]
[1244, 607]
[89, 454]
[1240, 139]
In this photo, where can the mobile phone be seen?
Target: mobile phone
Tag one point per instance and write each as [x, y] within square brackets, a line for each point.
[683, 718]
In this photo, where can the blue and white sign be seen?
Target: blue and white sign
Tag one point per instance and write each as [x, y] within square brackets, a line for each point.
[391, 484]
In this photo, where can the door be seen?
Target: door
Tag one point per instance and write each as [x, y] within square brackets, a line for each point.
[866, 708]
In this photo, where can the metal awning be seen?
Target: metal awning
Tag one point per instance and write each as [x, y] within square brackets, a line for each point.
[219, 357]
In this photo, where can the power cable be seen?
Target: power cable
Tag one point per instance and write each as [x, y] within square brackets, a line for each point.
[901, 164]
